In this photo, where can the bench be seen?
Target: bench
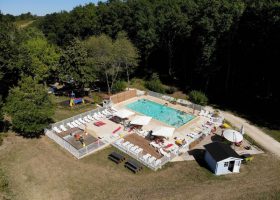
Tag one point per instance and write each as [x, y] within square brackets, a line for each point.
[133, 166]
[115, 157]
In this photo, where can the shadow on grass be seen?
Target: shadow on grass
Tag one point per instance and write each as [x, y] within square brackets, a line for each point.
[198, 155]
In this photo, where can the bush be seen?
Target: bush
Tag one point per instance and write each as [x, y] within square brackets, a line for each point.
[119, 86]
[198, 97]
[170, 89]
[154, 84]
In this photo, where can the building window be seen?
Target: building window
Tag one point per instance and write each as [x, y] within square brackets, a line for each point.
[226, 164]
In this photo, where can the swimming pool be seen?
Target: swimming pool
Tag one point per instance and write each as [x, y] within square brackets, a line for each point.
[165, 114]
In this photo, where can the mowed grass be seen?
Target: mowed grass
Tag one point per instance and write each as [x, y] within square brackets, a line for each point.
[40, 169]
[65, 111]
[273, 133]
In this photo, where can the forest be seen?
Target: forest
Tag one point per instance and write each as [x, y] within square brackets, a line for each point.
[228, 49]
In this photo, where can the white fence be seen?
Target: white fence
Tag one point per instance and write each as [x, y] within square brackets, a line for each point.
[78, 153]
[180, 101]
[139, 157]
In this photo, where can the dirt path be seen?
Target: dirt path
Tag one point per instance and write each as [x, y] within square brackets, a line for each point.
[255, 133]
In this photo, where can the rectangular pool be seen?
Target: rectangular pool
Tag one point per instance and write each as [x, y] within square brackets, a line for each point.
[163, 113]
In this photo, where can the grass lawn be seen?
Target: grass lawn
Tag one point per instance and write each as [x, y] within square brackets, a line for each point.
[64, 111]
[273, 133]
[40, 169]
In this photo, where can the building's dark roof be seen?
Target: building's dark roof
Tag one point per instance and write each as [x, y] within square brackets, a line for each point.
[220, 151]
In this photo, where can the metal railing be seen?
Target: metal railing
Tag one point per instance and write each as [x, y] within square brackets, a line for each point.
[183, 102]
[139, 157]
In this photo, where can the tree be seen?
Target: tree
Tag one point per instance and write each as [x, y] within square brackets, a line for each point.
[126, 54]
[30, 107]
[38, 58]
[100, 52]
[74, 64]
[198, 97]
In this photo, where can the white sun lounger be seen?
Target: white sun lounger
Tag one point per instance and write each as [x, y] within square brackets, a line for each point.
[151, 159]
[164, 153]
[155, 145]
[137, 151]
[201, 113]
[70, 125]
[113, 109]
[78, 122]
[128, 147]
[158, 161]
[146, 156]
[62, 127]
[75, 124]
[57, 129]
[82, 121]
[98, 114]
[125, 143]
[90, 117]
[96, 117]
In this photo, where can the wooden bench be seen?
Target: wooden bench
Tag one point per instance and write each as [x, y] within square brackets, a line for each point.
[133, 166]
[115, 157]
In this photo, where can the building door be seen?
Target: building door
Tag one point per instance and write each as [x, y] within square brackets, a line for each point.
[231, 166]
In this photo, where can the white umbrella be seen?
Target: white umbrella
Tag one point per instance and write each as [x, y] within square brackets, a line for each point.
[141, 120]
[232, 135]
[124, 113]
[164, 131]
[242, 131]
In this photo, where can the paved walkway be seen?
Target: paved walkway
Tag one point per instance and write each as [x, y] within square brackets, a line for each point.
[255, 133]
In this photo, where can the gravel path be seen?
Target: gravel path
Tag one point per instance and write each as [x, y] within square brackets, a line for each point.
[255, 133]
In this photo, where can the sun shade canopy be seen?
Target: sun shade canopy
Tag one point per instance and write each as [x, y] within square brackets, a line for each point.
[233, 135]
[141, 120]
[164, 132]
[124, 113]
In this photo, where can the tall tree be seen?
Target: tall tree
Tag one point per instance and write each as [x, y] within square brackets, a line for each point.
[38, 58]
[126, 54]
[30, 107]
[100, 52]
[74, 64]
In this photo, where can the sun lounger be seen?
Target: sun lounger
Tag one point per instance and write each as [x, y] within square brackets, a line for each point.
[146, 157]
[78, 122]
[157, 162]
[201, 113]
[162, 152]
[82, 121]
[128, 147]
[57, 130]
[151, 159]
[86, 119]
[90, 117]
[137, 151]
[99, 114]
[96, 117]
[125, 143]
[155, 145]
[113, 109]
[70, 125]
[62, 127]
[74, 124]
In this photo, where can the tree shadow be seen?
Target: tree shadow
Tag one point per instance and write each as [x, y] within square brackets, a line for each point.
[217, 138]
[198, 155]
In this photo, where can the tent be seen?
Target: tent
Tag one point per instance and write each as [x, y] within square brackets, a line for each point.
[232, 135]
[164, 132]
[141, 120]
[124, 113]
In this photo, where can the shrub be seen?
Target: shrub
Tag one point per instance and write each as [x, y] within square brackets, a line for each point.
[154, 84]
[198, 97]
[119, 86]
[170, 89]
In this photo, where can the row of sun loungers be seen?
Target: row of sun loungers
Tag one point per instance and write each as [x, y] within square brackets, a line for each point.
[87, 119]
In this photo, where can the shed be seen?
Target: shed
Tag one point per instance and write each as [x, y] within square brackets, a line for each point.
[222, 159]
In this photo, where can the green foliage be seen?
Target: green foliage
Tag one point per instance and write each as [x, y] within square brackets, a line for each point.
[38, 58]
[74, 64]
[198, 97]
[30, 107]
[154, 84]
[119, 86]
[170, 89]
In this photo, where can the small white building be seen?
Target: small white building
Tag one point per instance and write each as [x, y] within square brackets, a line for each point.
[222, 159]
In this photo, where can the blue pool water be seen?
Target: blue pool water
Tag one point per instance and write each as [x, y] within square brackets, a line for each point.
[160, 112]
